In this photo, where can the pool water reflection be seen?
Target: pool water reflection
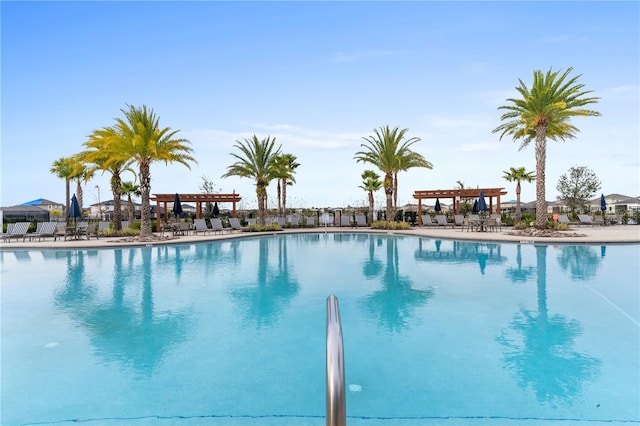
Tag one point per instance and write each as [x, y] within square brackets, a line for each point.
[433, 329]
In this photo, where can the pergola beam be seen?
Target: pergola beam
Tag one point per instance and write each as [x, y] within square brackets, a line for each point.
[198, 199]
[456, 195]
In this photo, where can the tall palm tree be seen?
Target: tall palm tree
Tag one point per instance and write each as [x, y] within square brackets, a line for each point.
[286, 165]
[544, 111]
[517, 175]
[145, 142]
[257, 160]
[370, 183]
[130, 189]
[100, 155]
[390, 152]
[63, 168]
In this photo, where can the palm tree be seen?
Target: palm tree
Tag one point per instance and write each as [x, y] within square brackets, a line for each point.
[370, 183]
[257, 160]
[544, 111]
[517, 175]
[286, 165]
[63, 168]
[388, 150]
[100, 155]
[130, 188]
[143, 141]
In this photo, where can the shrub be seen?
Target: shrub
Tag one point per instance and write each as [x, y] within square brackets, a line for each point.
[265, 228]
[382, 224]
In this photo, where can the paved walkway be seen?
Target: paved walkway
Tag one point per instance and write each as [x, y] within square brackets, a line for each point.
[595, 235]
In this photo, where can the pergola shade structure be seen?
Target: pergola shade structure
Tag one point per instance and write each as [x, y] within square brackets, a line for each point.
[456, 195]
[198, 199]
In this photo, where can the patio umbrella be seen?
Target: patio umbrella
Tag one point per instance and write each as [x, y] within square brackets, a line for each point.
[74, 209]
[475, 206]
[482, 204]
[215, 211]
[437, 206]
[177, 206]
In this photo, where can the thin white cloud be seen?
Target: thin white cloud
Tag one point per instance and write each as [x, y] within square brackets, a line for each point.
[627, 92]
[565, 38]
[356, 56]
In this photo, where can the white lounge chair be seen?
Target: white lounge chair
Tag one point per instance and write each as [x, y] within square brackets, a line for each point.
[19, 230]
[458, 220]
[43, 230]
[216, 225]
[345, 220]
[361, 221]
[427, 221]
[310, 221]
[585, 219]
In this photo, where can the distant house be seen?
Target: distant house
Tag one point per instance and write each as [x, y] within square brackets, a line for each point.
[104, 210]
[43, 203]
[38, 210]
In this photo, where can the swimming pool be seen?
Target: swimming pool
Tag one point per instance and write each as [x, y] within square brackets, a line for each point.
[233, 332]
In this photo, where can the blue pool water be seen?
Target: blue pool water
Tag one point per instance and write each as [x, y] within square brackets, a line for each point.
[233, 332]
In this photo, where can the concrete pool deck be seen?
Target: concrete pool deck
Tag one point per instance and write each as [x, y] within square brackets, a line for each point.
[586, 235]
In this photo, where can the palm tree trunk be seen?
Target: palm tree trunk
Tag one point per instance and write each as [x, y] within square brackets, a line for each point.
[541, 158]
[67, 182]
[388, 192]
[131, 208]
[370, 207]
[79, 193]
[284, 197]
[262, 200]
[279, 197]
[116, 189]
[395, 192]
[145, 189]
[518, 210]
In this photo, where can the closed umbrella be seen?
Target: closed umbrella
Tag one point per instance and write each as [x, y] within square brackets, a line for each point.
[437, 206]
[177, 206]
[215, 211]
[475, 206]
[482, 204]
[603, 206]
[74, 209]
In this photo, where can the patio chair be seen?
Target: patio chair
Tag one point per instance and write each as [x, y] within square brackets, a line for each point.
[124, 224]
[234, 222]
[103, 226]
[252, 221]
[18, 231]
[563, 218]
[361, 221]
[458, 220]
[345, 220]
[498, 219]
[441, 220]
[82, 229]
[200, 225]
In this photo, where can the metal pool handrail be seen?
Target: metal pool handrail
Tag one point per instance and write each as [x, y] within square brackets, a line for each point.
[336, 402]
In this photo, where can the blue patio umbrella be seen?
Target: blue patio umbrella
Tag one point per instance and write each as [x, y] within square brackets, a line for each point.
[437, 206]
[215, 211]
[74, 209]
[482, 204]
[475, 207]
[603, 206]
[177, 206]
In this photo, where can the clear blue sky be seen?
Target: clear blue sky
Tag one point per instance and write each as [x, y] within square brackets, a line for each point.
[318, 76]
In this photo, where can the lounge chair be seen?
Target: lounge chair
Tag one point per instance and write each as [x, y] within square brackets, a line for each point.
[586, 220]
[441, 220]
[310, 221]
[124, 224]
[563, 218]
[104, 226]
[82, 230]
[458, 220]
[43, 230]
[427, 221]
[361, 221]
[200, 225]
[294, 222]
[216, 225]
[498, 223]
[345, 220]
[92, 230]
[235, 224]
[19, 230]
[251, 221]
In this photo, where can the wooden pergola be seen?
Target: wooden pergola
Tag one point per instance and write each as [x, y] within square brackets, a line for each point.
[198, 199]
[456, 195]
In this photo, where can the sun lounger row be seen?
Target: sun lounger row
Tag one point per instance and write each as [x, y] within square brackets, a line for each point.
[471, 223]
